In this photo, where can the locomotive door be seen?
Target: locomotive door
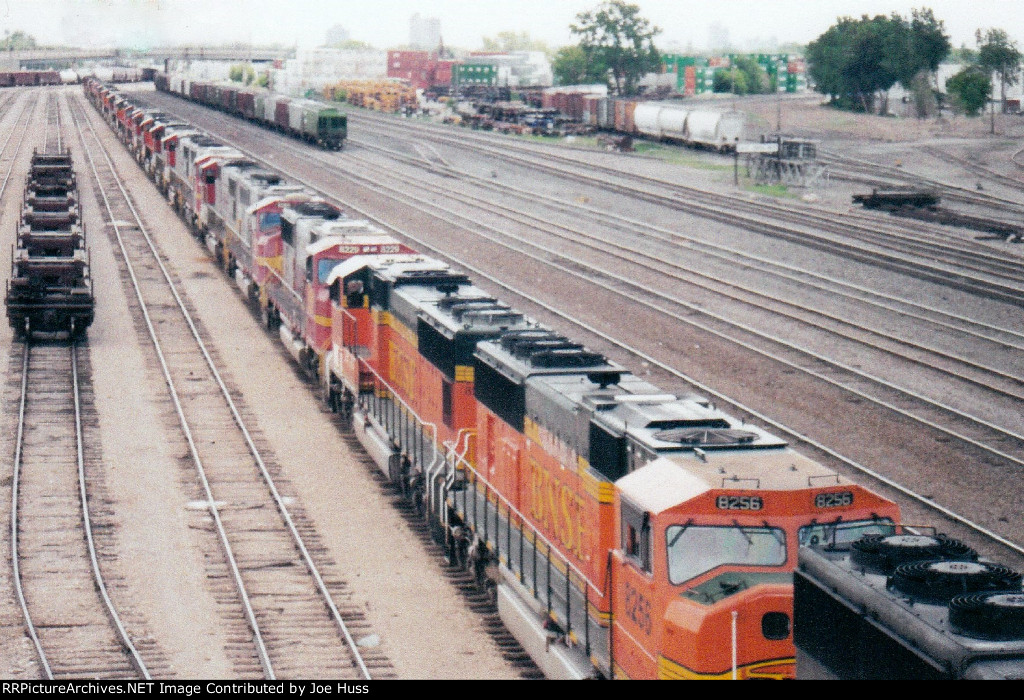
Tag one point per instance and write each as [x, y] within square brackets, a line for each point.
[635, 624]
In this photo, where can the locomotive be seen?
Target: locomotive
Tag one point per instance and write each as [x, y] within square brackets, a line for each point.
[906, 605]
[309, 120]
[50, 290]
[623, 532]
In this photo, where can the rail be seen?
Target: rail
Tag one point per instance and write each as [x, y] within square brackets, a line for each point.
[278, 500]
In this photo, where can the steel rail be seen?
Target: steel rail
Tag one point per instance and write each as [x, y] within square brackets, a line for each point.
[810, 217]
[427, 246]
[426, 206]
[712, 249]
[789, 272]
[15, 492]
[802, 227]
[19, 441]
[268, 479]
[656, 264]
[236, 575]
[134, 658]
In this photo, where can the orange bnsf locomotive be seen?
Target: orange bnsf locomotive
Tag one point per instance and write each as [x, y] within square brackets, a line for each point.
[652, 536]
[622, 531]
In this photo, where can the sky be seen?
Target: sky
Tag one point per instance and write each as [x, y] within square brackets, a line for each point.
[685, 24]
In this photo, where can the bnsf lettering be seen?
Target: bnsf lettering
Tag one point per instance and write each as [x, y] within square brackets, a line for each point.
[557, 509]
[739, 503]
[403, 370]
[638, 608]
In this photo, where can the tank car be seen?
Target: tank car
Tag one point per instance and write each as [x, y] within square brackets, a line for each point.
[907, 604]
[50, 290]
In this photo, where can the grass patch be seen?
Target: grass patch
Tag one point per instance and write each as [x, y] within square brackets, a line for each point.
[779, 191]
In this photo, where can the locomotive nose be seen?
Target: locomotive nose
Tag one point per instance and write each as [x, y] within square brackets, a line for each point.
[742, 632]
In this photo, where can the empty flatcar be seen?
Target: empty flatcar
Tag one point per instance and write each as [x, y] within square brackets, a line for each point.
[50, 290]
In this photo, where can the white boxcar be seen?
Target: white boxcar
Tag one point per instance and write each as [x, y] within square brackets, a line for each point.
[718, 130]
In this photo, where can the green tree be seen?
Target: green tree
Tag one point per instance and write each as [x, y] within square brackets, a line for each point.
[745, 77]
[513, 41]
[929, 43]
[241, 73]
[998, 54]
[614, 36]
[572, 67]
[969, 89]
[17, 41]
[856, 61]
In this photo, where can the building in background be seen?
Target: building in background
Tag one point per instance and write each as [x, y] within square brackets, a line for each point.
[512, 69]
[424, 32]
[336, 35]
[313, 69]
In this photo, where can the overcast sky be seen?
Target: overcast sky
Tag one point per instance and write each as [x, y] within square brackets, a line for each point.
[385, 23]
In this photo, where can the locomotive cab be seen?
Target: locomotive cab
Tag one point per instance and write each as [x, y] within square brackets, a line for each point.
[709, 540]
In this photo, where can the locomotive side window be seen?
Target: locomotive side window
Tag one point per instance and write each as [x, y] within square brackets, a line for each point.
[636, 536]
[840, 533]
[694, 550]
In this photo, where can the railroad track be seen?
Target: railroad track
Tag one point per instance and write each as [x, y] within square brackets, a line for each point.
[939, 258]
[866, 172]
[56, 552]
[890, 403]
[971, 166]
[69, 616]
[291, 615]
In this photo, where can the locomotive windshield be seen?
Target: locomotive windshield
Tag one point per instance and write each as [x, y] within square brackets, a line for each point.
[324, 267]
[693, 550]
[270, 219]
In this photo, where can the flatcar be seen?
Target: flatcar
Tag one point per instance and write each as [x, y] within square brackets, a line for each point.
[622, 531]
[906, 605]
[50, 290]
[310, 120]
[893, 198]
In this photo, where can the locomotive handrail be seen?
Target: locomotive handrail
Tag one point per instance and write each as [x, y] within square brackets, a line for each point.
[405, 404]
[522, 520]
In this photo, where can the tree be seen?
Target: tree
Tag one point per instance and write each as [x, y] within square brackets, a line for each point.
[572, 67]
[351, 45]
[17, 41]
[745, 77]
[856, 61]
[970, 89]
[614, 36]
[998, 54]
[513, 41]
[929, 42]
[241, 73]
